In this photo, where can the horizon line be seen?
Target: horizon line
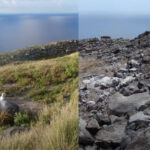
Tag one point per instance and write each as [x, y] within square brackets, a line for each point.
[39, 13]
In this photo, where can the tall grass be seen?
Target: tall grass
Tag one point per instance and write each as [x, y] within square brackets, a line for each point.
[44, 81]
[48, 81]
[61, 134]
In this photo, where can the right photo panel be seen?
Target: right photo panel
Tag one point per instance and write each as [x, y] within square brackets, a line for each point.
[114, 75]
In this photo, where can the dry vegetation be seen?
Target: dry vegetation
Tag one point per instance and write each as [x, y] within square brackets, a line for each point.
[61, 134]
[53, 82]
[44, 81]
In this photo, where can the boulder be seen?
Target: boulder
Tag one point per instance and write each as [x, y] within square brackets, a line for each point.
[121, 105]
[115, 119]
[103, 119]
[86, 81]
[91, 147]
[85, 137]
[123, 70]
[8, 107]
[111, 136]
[133, 70]
[127, 80]
[105, 38]
[107, 82]
[92, 126]
[83, 87]
[146, 59]
[141, 142]
[130, 90]
[138, 121]
[132, 64]
[91, 105]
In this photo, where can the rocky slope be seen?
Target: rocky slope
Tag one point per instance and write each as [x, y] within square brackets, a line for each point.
[114, 96]
[45, 51]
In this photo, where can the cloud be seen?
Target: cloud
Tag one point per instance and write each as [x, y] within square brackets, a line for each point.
[38, 6]
[14, 2]
[59, 2]
[9, 2]
[123, 7]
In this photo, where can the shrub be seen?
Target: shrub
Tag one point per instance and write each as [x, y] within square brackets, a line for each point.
[22, 119]
[5, 119]
[71, 69]
[15, 90]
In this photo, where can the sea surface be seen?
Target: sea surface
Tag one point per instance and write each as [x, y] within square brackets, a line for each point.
[19, 31]
[114, 26]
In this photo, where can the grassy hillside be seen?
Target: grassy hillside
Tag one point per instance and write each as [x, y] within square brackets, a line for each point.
[54, 83]
[45, 81]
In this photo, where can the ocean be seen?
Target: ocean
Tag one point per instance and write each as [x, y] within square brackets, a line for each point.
[115, 26]
[23, 30]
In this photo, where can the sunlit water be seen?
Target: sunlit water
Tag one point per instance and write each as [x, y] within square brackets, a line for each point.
[114, 26]
[19, 31]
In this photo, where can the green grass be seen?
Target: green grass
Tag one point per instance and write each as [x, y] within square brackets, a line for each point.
[22, 119]
[61, 133]
[44, 81]
[53, 82]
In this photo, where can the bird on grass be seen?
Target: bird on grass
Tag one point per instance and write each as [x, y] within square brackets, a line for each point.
[6, 106]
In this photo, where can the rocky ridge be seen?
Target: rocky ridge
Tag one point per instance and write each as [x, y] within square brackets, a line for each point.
[114, 100]
[45, 51]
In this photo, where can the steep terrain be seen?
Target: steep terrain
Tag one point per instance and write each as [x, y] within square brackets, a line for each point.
[45, 91]
[114, 99]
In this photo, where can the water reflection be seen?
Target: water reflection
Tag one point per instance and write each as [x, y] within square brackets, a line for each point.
[19, 31]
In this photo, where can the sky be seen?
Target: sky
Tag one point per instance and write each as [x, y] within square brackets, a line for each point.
[38, 6]
[122, 7]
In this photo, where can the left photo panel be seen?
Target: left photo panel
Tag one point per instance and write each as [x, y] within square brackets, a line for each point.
[38, 75]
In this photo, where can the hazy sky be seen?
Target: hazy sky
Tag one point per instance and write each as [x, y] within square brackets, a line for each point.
[38, 6]
[126, 7]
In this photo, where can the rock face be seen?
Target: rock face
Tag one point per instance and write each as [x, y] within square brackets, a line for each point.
[114, 99]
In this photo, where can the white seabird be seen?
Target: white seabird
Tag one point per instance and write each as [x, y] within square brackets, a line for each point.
[6, 106]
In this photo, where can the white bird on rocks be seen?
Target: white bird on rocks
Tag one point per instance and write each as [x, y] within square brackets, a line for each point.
[2, 97]
[2, 100]
[7, 106]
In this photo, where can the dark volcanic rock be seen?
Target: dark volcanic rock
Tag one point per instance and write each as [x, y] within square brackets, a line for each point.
[103, 119]
[143, 40]
[121, 105]
[92, 126]
[84, 136]
[111, 136]
[146, 59]
[8, 107]
[115, 98]
[141, 142]
[40, 52]
[138, 121]
[130, 90]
